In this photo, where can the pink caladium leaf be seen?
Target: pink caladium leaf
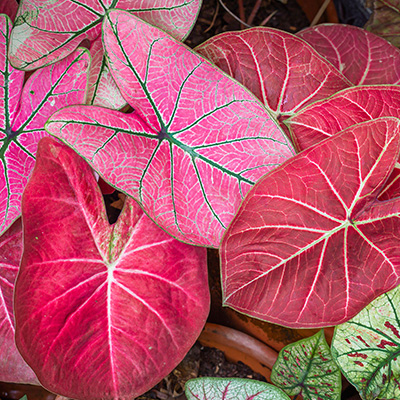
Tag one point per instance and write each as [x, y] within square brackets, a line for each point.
[114, 308]
[23, 113]
[306, 367]
[195, 144]
[12, 366]
[102, 91]
[362, 57]
[231, 388]
[282, 70]
[9, 7]
[311, 245]
[44, 33]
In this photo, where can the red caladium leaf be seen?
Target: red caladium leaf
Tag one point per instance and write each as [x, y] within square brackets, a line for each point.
[23, 113]
[195, 144]
[45, 33]
[9, 7]
[348, 107]
[114, 308]
[12, 366]
[362, 57]
[282, 70]
[310, 245]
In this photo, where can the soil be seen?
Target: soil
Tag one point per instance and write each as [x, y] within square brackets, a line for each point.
[214, 18]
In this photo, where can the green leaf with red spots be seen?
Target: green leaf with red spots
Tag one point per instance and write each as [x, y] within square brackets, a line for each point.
[307, 367]
[367, 348]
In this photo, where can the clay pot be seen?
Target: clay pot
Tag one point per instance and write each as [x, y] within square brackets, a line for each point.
[238, 346]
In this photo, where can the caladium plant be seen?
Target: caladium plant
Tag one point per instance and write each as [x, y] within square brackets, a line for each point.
[346, 108]
[306, 367]
[24, 109]
[366, 348]
[232, 388]
[9, 8]
[361, 56]
[311, 245]
[12, 366]
[114, 308]
[282, 70]
[195, 144]
[46, 33]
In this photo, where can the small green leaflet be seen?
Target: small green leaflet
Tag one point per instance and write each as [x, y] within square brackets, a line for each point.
[367, 348]
[231, 388]
[307, 367]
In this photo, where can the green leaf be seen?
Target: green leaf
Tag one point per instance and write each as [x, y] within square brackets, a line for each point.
[307, 367]
[231, 388]
[367, 348]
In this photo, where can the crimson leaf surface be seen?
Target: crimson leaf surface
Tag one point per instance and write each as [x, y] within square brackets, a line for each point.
[362, 57]
[311, 245]
[113, 308]
[13, 368]
[282, 70]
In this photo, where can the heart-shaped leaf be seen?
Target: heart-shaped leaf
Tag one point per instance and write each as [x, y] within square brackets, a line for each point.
[283, 71]
[12, 366]
[45, 33]
[310, 245]
[9, 7]
[23, 113]
[114, 308]
[367, 348]
[362, 57]
[306, 367]
[195, 144]
[232, 388]
[348, 107]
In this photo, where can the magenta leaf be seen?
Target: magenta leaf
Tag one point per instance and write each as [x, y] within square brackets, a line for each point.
[306, 367]
[362, 57]
[310, 245]
[114, 308]
[231, 388]
[23, 113]
[348, 107]
[282, 70]
[45, 33]
[9, 7]
[195, 144]
[12, 366]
